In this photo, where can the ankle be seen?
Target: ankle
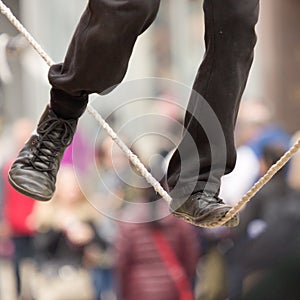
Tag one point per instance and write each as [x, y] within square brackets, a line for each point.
[66, 106]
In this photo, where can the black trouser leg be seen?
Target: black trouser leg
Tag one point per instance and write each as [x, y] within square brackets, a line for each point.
[99, 52]
[207, 150]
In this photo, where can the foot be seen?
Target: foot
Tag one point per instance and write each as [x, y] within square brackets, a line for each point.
[34, 171]
[202, 209]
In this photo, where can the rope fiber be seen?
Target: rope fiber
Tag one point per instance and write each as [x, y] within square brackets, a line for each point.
[133, 158]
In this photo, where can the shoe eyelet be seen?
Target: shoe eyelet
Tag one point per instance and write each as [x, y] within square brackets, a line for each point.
[188, 219]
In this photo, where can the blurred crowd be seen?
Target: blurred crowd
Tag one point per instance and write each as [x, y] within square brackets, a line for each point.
[118, 241]
[69, 249]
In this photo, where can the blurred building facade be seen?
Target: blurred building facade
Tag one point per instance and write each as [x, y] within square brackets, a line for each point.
[280, 58]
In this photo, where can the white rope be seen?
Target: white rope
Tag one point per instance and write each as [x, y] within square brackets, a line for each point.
[260, 183]
[133, 158]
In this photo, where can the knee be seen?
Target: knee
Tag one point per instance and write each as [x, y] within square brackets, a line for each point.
[134, 8]
[143, 6]
[135, 15]
[239, 25]
[244, 14]
[144, 11]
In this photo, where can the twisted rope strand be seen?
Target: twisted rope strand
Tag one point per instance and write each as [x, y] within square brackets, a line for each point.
[133, 158]
[261, 182]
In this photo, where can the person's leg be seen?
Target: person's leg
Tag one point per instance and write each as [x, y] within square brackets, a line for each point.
[17, 259]
[96, 61]
[99, 52]
[205, 155]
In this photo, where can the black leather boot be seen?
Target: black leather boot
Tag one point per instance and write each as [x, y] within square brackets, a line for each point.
[202, 209]
[34, 171]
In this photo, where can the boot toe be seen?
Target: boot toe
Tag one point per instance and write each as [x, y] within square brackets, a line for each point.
[34, 171]
[203, 211]
[33, 184]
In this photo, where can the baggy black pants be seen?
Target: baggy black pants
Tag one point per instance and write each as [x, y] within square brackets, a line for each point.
[97, 60]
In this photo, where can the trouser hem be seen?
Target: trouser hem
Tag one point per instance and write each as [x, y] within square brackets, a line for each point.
[67, 106]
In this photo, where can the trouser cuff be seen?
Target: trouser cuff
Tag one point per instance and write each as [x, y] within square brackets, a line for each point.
[67, 106]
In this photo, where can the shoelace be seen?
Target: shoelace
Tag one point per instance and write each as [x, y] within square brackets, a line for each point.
[48, 141]
[209, 198]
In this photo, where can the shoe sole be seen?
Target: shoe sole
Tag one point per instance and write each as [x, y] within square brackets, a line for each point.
[26, 192]
[210, 219]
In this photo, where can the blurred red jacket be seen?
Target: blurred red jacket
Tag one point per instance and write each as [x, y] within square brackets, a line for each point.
[16, 208]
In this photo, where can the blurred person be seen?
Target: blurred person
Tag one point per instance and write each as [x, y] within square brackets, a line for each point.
[96, 62]
[255, 129]
[101, 261]
[17, 210]
[109, 159]
[8, 288]
[113, 176]
[294, 165]
[9, 46]
[66, 228]
[5, 242]
[263, 248]
[157, 259]
[266, 137]
[97, 259]
[212, 279]
[253, 118]
[280, 283]
[5, 72]
[109, 192]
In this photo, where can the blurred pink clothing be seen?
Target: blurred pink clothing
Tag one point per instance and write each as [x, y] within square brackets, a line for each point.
[140, 270]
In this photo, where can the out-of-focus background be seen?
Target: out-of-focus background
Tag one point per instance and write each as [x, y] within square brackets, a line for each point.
[72, 248]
